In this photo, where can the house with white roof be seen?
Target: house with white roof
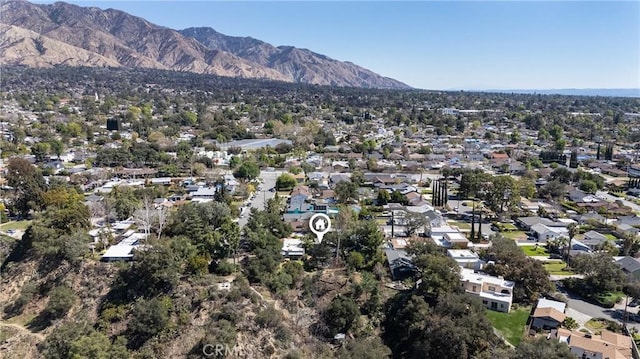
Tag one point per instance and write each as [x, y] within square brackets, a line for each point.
[543, 233]
[466, 258]
[292, 248]
[496, 293]
[125, 249]
[447, 236]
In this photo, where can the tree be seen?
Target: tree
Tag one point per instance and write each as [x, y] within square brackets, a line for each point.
[61, 299]
[370, 347]
[438, 274]
[346, 191]
[96, 345]
[144, 216]
[125, 202]
[28, 186]
[629, 243]
[285, 181]
[554, 189]
[41, 151]
[414, 222]
[527, 187]
[58, 345]
[588, 186]
[529, 275]
[573, 160]
[601, 273]
[57, 147]
[307, 168]
[156, 270]
[148, 318]
[542, 347]
[355, 260]
[366, 239]
[247, 171]
[570, 323]
[341, 315]
[397, 197]
[383, 197]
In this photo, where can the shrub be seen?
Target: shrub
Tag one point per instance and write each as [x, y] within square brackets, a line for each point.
[225, 268]
[148, 319]
[61, 299]
[26, 295]
[269, 318]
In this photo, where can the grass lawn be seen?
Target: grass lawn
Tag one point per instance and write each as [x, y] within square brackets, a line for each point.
[532, 251]
[557, 268]
[506, 227]
[611, 237]
[461, 225]
[510, 325]
[598, 324]
[609, 299]
[15, 225]
[515, 235]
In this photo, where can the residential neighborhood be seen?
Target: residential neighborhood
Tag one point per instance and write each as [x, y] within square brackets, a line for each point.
[493, 209]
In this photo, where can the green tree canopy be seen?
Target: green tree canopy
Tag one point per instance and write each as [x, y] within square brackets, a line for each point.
[285, 181]
[247, 171]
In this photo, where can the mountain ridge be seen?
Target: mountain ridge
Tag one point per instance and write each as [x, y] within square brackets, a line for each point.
[115, 38]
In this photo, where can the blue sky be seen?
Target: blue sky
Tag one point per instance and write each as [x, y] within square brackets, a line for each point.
[436, 44]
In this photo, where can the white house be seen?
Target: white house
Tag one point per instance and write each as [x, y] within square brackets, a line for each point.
[544, 233]
[292, 247]
[495, 292]
[466, 258]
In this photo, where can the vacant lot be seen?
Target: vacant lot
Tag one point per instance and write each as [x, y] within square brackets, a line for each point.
[510, 325]
[15, 225]
[533, 251]
[557, 268]
[515, 235]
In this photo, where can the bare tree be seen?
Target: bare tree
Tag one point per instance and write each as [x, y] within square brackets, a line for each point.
[144, 216]
[413, 222]
[161, 215]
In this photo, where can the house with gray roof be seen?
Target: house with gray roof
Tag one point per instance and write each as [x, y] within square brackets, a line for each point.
[630, 266]
[594, 239]
[400, 263]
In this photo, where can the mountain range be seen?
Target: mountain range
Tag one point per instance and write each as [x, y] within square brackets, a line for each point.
[609, 92]
[46, 35]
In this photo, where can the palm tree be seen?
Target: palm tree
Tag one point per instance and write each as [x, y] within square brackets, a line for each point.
[573, 230]
[628, 241]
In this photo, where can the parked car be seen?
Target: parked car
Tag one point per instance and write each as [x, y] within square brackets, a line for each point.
[11, 231]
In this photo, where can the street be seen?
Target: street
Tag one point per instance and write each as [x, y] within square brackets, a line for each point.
[260, 196]
[594, 311]
[609, 198]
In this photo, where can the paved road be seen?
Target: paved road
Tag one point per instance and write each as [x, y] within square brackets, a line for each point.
[262, 195]
[595, 311]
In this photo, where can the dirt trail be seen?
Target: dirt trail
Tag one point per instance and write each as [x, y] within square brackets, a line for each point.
[22, 329]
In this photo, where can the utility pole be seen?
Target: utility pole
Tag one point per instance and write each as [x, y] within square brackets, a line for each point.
[393, 222]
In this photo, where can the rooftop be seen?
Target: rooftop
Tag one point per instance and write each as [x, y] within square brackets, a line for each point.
[469, 275]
